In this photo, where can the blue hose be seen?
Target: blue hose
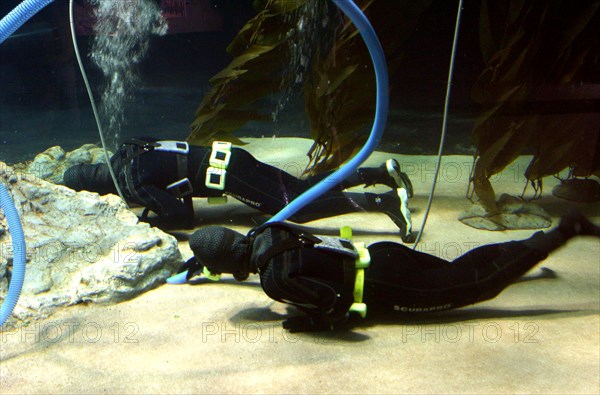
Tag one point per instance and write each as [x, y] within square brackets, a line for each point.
[18, 246]
[8, 25]
[21, 14]
[381, 112]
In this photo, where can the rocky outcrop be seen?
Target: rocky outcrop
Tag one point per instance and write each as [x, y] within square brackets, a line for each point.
[81, 247]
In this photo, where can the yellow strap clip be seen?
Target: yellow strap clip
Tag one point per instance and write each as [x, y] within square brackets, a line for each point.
[212, 277]
[219, 160]
[362, 262]
[220, 155]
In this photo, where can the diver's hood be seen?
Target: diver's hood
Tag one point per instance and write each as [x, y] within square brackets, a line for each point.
[222, 250]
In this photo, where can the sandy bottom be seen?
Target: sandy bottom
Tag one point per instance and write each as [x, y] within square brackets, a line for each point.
[539, 336]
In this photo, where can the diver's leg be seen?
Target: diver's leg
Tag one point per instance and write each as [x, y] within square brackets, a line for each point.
[171, 211]
[334, 203]
[388, 173]
[245, 167]
[497, 266]
[270, 189]
[574, 223]
[411, 281]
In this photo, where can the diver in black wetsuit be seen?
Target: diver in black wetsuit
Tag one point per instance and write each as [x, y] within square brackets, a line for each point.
[328, 278]
[163, 176]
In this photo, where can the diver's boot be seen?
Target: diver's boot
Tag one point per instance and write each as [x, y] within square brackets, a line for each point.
[572, 224]
[388, 173]
[395, 205]
[399, 178]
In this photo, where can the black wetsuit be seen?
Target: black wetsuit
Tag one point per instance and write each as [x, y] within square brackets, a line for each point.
[144, 174]
[301, 269]
[397, 279]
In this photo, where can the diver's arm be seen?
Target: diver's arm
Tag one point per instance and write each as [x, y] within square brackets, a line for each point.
[90, 177]
[315, 298]
[171, 211]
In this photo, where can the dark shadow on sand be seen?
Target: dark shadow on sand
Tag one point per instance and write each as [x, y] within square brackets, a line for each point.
[347, 331]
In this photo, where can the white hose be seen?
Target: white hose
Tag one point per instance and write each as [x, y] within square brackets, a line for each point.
[444, 122]
[92, 102]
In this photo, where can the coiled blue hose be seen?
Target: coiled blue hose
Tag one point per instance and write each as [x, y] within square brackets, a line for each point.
[351, 10]
[8, 25]
[19, 15]
[18, 246]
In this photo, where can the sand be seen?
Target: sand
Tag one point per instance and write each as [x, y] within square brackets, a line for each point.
[538, 336]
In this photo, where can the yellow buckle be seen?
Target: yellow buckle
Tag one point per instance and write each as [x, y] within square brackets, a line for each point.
[217, 199]
[215, 178]
[220, 155]
[209, 275]
[359, 308]
[219, 160]
[361, 263]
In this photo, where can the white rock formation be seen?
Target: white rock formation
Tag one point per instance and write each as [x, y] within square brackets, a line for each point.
[81, 247]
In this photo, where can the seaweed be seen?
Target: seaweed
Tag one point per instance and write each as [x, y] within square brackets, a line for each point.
[256, 50]
[541, 58]
[536, 90]
[340, 93]
[339, 89]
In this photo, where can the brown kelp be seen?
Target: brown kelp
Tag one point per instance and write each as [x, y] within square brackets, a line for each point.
[339, 83]
[257, 51]
[340, 92]
[538, 90]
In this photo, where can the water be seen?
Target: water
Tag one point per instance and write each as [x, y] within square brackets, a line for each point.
[120, 42]
[150, 64]
[149, 83]
[310, 23]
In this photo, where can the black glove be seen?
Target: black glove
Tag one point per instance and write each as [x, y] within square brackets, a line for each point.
[309, 323]
[192, 266]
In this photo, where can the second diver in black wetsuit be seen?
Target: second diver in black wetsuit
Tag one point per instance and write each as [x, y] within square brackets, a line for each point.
[163, 176]
[328, 278]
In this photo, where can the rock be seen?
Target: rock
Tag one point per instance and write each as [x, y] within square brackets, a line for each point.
[51, 164]
[81, 247]
[578, 190]
[514, 214]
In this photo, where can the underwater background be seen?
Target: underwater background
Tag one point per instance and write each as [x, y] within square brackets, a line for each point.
[525, 105]
[43, 100]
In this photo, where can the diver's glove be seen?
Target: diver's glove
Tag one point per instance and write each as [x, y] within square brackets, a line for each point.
[191, 267]
[313, 323]
[221, 250]
[306, 323]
